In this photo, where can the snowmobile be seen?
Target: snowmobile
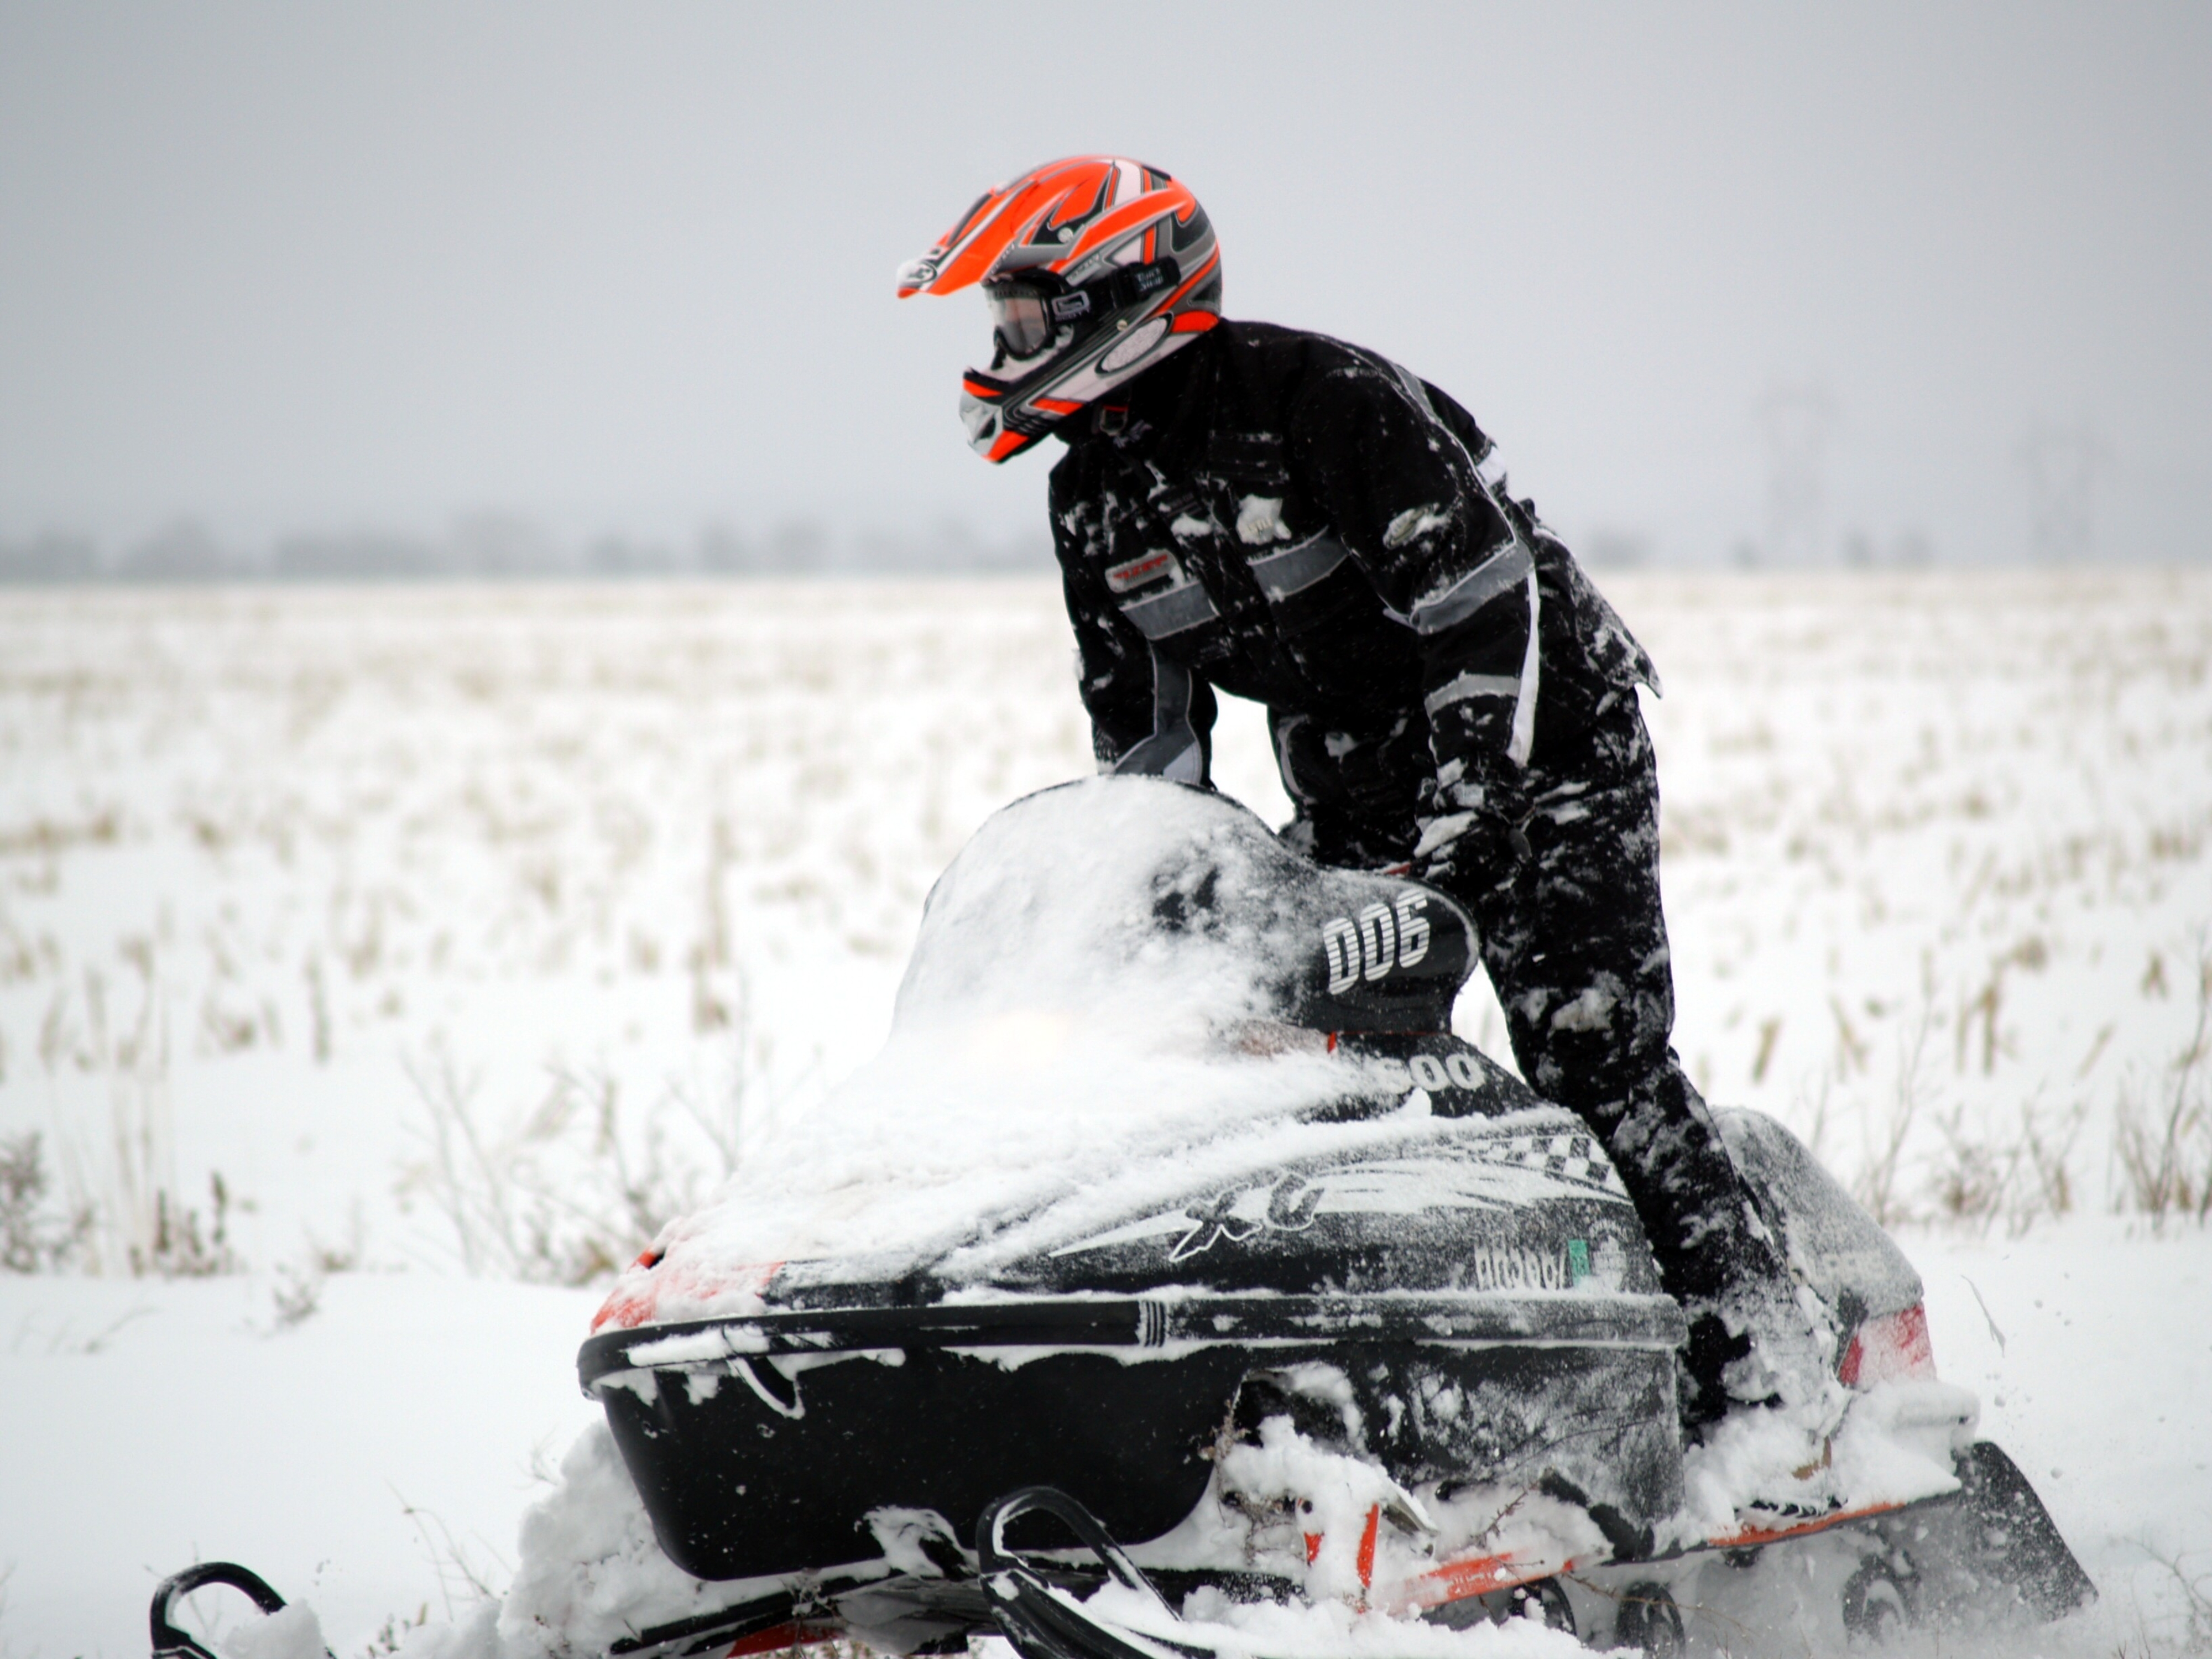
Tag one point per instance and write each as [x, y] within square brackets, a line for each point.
[1403, 1357]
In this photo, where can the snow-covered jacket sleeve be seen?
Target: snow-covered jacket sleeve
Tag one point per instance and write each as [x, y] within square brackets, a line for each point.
[1113, 661]
[1395, 471]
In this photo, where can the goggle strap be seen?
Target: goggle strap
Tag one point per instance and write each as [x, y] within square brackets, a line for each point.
[1133, 283]
[1112, 292]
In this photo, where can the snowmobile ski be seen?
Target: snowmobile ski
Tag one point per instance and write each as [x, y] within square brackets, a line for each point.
[172, 1642]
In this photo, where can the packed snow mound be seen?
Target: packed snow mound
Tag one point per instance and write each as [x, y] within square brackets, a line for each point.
[1101, 986]
[1325, 1630]
[291, 1632]
[591, 1573]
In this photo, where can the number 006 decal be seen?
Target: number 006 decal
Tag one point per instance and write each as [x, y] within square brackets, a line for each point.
[1379, 938]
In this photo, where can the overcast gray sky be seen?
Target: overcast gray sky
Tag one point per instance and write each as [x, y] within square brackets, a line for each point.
[385, 264]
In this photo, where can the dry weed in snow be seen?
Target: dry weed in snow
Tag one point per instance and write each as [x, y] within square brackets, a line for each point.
[1937, 869]
[481, 924]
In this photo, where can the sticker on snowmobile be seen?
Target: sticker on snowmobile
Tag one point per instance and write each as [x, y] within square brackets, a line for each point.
[1487, 1174]
[1379, 940]
[1455, 1070]
[1508, 1267]
[1150, 567]
[1288, 1206]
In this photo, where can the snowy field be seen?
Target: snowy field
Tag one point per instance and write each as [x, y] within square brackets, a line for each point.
[378, 966]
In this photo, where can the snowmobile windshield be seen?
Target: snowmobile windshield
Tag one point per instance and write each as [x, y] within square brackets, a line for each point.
[1183, 919]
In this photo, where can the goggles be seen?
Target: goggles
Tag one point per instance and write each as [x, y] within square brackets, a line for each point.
[1026, 314]
[1028, 310]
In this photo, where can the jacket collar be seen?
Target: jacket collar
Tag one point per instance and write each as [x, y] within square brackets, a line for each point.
[1161, 414]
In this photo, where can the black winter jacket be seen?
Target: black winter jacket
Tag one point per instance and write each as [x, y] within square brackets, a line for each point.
[1299, 522]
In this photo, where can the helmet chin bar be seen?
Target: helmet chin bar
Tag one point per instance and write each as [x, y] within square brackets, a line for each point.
[982, 420]
[1005, 417]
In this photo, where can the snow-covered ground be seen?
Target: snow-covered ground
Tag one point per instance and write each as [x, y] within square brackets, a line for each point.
[386, 947]
[375, 1458]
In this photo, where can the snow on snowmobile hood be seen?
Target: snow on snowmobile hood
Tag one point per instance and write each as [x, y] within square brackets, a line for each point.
[1164, 914]
[1118, 985]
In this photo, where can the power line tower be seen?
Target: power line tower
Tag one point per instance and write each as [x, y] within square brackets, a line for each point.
[2063, 464]
[1797, 421]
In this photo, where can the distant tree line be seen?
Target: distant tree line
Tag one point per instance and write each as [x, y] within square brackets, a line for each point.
[498, 546]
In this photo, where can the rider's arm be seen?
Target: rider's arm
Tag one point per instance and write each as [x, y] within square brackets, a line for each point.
[1398, 481]
[1114, 662]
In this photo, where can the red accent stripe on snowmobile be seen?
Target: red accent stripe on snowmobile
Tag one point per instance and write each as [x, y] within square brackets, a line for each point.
[778, 1637]
[1751, 1535]
[1889, 1349]
[1366, 1557]
[633, 1302]
[1475, 1575]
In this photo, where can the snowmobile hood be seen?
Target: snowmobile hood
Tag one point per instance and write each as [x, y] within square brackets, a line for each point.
[1424, 1169]
[1127, 996]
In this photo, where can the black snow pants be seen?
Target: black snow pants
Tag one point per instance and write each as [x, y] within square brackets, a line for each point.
[1576, 946]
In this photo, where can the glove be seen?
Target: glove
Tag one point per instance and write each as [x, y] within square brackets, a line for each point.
[1472, 835]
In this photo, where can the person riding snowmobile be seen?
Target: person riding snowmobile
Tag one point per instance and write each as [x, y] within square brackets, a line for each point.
[1286, 518]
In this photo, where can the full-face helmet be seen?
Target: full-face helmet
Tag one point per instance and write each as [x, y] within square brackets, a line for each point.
[1095, 269]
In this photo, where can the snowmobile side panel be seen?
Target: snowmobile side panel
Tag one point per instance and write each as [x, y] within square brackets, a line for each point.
[1855, 1267]
[742, 1482]
[1481, 1285]
[747, 1472]
[1590, 1423]
[1148, 1323]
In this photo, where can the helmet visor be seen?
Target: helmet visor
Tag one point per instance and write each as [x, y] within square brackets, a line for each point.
[1021, 317]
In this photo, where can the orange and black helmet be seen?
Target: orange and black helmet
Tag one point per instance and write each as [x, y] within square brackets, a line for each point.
[1095, 268]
